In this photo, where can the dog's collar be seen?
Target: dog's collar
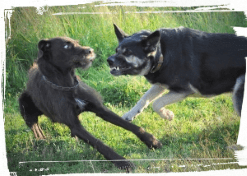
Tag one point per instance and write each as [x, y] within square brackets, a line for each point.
[157, 66]
[57, 87]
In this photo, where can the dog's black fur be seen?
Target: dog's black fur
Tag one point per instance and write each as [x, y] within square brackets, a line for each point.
[54, 90]
[190, 61]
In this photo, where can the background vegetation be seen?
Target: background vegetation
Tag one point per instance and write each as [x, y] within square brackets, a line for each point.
[202, 128]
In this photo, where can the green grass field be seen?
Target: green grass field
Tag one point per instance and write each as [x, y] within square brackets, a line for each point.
[202, 128]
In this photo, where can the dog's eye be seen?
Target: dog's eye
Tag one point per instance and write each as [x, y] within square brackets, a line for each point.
[127, 52]
[67, 46]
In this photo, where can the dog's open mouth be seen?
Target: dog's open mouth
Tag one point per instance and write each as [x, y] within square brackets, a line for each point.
[115, 70]
[91, 57]
[84, 64]
[84, 61]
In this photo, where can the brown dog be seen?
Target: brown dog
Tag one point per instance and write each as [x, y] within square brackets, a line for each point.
[54, 90]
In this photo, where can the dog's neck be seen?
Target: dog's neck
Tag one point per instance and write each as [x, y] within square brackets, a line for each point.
[57, 87]
[55, 77]
[158, 60]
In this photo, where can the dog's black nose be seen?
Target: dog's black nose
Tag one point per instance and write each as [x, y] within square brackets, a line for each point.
[110, 60]
[89, 51]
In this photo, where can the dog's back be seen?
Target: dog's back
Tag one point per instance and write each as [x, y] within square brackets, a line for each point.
[212, 62]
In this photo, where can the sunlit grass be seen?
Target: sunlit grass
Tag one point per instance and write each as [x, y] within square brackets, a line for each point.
[202, 128]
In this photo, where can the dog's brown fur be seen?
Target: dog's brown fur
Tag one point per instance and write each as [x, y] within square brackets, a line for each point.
[54, 91]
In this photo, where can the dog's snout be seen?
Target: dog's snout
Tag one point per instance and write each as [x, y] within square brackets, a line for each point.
[87, 50]
[110, 61]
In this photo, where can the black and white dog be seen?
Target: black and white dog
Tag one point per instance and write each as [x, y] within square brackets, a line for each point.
[188, 62]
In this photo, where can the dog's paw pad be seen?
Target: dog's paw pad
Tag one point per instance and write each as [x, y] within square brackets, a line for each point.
[166, 114]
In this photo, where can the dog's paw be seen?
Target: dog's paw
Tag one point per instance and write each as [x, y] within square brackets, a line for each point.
[153, 143]
[166, 114]
[129, 116]
[124, 165]
[37, 131]
[149, 139]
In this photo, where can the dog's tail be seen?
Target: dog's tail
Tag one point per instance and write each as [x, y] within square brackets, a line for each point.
[238, 94]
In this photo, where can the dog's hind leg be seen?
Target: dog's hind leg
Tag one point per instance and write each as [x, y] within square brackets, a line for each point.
[169, 98]
[30, 114]
[238, 94]
[119, 161]
[154, 92]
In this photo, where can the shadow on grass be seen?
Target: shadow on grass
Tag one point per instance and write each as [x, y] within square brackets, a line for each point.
[180, 153]
[57, 157]
[211, 142]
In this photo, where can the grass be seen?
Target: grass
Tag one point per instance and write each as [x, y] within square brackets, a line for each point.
[202, 128]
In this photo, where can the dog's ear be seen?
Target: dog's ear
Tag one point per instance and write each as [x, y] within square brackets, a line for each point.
[151, 42]
[43, 45]
[119, 33]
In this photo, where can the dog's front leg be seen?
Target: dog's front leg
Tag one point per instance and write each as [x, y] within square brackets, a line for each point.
[169, 98]
[154, 92]
[109, 154]
[111, 117]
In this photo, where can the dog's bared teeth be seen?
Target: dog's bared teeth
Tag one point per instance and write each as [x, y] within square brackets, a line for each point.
[115, 68]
